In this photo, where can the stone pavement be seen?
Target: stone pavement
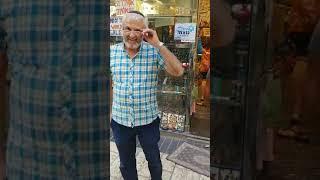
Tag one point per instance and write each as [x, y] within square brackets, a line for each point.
[171, 171]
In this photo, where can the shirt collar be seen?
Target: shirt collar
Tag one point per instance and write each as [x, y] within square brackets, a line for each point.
[140, 48]
[139, 51]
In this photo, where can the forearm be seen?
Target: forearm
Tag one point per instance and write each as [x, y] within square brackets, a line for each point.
[173, 65]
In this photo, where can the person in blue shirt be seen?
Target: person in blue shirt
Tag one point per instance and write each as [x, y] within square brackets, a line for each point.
[135, 64]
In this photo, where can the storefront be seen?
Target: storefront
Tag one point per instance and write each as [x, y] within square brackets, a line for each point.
[177, 23]
[257, 89]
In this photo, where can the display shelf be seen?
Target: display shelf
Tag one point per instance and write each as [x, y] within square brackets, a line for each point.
[174, 92]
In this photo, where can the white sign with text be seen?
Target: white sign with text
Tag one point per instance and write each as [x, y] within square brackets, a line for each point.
[115, 26]
[186, 32]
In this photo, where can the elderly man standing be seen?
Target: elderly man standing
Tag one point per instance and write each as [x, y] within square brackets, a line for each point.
[58, 92]
[135, 64]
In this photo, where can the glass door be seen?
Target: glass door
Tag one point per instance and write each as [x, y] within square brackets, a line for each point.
[238, 80]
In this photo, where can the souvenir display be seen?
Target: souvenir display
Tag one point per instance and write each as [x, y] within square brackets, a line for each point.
[173, 122]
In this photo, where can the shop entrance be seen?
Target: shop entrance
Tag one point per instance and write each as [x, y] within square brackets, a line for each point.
[200, 90]
[272, 132]
[200, 105]
[289, 128]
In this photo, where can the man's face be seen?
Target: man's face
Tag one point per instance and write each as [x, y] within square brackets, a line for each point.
[132, 32]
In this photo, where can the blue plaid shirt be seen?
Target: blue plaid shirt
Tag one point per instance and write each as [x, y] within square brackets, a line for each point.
[135, 84]
[58, 95]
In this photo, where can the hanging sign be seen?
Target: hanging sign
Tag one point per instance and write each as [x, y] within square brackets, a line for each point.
[124, 6]
[186, 32]
[115, 26]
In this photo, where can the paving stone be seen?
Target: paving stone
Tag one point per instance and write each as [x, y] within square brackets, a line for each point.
[203, 177]
[179, 173]
[116, 178]
[113, 157]
[114, 169]
[113, 147]
[141, 155]
[141, 162]
[162, 154]
[190, 175]
[138, 151]
[143, 178]
[166, 164]
[144, 170]
[166, 175]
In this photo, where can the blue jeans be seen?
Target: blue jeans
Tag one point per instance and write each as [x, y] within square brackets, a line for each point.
[125, 139]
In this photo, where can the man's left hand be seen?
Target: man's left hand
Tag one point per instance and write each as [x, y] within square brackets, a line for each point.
[151, 37]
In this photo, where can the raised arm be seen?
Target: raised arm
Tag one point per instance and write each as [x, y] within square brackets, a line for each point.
[173, 65]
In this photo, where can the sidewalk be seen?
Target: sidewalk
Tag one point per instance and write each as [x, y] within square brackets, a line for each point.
[171, 171]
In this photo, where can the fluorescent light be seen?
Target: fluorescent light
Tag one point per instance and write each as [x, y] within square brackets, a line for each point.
[159, 2]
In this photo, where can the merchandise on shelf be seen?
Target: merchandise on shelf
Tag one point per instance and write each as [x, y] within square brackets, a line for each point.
[173, 122]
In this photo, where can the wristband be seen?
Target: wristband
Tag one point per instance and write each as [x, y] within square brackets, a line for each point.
[160, 45]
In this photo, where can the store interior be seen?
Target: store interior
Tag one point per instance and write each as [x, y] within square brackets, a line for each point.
[184, 101]
[265, 93]
[290, 100]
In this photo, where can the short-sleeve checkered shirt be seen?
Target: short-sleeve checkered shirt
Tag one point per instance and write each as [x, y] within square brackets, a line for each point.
[58, 92]
[135, 84]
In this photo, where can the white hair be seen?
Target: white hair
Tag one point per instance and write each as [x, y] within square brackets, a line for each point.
[135, 16]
